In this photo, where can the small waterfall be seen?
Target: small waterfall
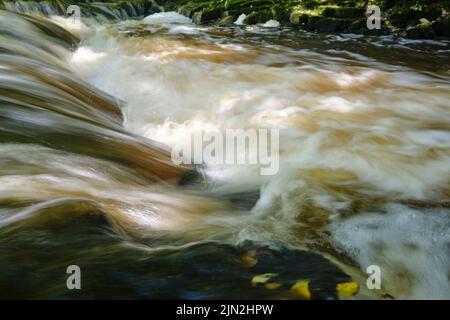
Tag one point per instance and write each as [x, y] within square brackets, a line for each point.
[131, 10]
[96, 10]
[43, 8]
[108, 12]
[68, 130]
[36, 84]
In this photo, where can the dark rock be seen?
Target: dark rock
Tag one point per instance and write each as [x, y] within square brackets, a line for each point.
[205, 16]
[303, 19]
[258, 17]
[211, 15]
[311, 23]
[419, 32]
[322, 16]
[326, 24]
[185, 11]
[442, 26]
[227, 20]
[197, 17]
[299, 19]
[344, 12]
[403, 15]
[358, 26]
[281, 14]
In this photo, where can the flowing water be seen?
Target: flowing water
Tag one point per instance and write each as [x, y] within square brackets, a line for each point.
[88, 117]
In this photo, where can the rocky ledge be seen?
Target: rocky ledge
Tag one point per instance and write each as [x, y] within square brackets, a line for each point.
[423, 19]
[410, 18]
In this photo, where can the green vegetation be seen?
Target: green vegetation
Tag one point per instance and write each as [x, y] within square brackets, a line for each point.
[324, 15]
[314, 15]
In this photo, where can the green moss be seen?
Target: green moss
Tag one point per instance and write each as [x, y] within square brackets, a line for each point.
[89, 7]
[227, 20]
[350, 14]
[343, 12]
[300, 10]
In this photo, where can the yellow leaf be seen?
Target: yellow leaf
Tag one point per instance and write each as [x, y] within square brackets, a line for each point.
[273, 285]
[301, 289]
[249, 259]
[347, 288]
[424, 23]
[262, 278]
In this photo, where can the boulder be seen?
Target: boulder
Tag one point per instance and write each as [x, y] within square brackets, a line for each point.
[441, 26]
[185, 11]
[227, 20]
[419, 32]
[423, 30]
[258, 17]
[358, 26]
[343, 12]
[206, 16]
[326, 24]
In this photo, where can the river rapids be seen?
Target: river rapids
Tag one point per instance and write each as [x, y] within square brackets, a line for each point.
[89, 111]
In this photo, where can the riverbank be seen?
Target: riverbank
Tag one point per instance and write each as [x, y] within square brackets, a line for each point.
[414, 19]
[417, 19]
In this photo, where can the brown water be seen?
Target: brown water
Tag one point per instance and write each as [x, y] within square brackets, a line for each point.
[364, 161]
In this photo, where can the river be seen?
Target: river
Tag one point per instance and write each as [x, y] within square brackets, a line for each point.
[86, 179]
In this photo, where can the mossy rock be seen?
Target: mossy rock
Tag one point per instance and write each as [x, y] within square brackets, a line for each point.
[299, 18]
[258, 17]
[314, 15]
[185, 11]
[327, 24]
[420, 33]
[312, 20]
[343, 13]
[225, 21]
[206, 16]
[358, 26]
[409, 15]
[442, 27]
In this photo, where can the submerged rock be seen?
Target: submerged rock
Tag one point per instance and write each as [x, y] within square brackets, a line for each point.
[423, 30]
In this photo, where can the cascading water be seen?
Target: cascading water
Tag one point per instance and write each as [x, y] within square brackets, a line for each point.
[364, 151]
[100, 11]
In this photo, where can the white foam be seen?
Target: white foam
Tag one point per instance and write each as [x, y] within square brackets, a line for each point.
[84, 57]
[166, 18]
[240, 19]
[350, 134]
[183, 30]
[272, 24]
[410, 246]
[75, 26]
